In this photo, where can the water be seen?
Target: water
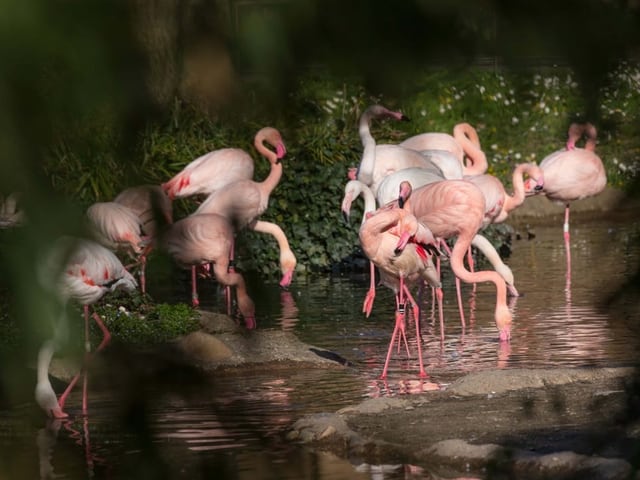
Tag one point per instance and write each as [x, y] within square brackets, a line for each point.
[234, 425]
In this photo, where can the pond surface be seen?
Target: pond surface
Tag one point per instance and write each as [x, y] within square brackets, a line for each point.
[234, 426]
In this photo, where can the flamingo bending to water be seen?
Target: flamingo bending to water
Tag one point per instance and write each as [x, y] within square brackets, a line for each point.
[154, 211]
[89, 271]
[455, 208]
[203, 239]
[243, 202]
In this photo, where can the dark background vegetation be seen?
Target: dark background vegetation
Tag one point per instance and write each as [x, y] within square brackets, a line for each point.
[98, 96]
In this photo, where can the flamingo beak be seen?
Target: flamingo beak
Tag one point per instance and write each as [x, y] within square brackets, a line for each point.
[402, 242]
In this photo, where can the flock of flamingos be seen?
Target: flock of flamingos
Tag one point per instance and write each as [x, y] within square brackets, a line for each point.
[418, 194]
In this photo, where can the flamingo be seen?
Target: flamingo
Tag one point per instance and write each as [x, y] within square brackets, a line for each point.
[203, 239]
[220, 167]
[464, 144]
[243, 202]
[417, 177]
[573, 173]
[385, 238]
[118, 228]
[90, 271]
[455, 208]
[380, 160]
[498, 202]
[154, 210]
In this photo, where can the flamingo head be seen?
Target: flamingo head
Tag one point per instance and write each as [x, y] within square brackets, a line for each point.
[533, 186]
[352, 173]
[404, 193]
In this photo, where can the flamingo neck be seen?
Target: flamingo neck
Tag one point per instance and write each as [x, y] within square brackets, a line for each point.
[369, 200]
[468, 138]
[457, 265]
[275, 174]
[367, 163]
[513, 201]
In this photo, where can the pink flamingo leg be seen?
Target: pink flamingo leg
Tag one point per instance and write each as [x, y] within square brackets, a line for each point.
[367, 306]
[194, 289]
[399, 327]
[458, 289]
[106, 338]
[471, 264]
[143, 276]
[567, 237]
[227, 289]
[438, 295]
[416, 317]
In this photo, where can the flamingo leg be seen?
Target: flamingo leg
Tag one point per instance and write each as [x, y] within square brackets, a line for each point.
[143, 276]
[194, 289]
[367, 306]
[458, 289]
[567, 238]
[439, 296]
[106, 338]
[416, 317]
[231, 269]
[471, 264]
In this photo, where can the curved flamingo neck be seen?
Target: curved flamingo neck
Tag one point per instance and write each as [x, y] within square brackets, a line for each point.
[275, 174]
[468, 138]
[287, 258]
[513, 201]
[369, 199]
[457, 265]
[577, 131]
[368, 160]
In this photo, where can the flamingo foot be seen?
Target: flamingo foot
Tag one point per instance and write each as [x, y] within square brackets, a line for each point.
[368, 302]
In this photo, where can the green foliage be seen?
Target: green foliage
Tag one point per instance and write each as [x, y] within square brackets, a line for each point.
[132, 319]
[519, 115]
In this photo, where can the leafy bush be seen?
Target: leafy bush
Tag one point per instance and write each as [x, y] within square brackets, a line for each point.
[520, 116]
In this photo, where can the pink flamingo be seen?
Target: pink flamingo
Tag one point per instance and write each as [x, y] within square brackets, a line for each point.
[220, 167]
[204, 239]
[455, 208]
[417, 177]
[498, 202]
[393, 240]
[243, 202]
[379, 161]
[119, 229]
[90, 271]
[154, 211]
[573, 173]
[464, 145]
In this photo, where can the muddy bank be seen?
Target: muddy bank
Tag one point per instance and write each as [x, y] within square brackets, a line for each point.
[564, 423]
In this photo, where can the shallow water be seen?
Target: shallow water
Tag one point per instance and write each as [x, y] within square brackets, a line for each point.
[234, 426]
